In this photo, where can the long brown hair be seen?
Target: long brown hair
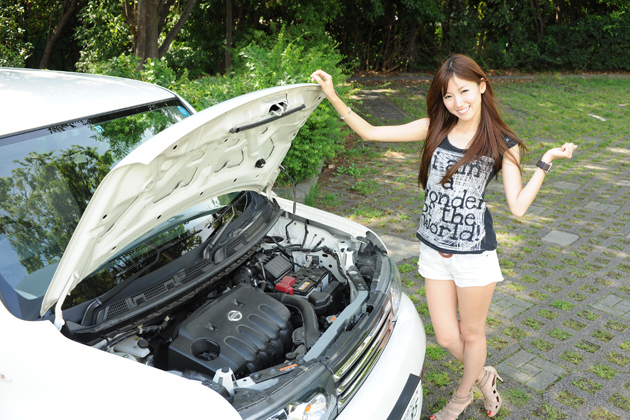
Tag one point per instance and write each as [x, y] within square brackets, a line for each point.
[489, 140]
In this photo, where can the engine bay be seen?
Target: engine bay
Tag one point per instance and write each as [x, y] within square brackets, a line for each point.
[264, 315]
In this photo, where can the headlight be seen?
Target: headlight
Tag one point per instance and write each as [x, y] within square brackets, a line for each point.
[315, 402]
[315, 409]
[395, 288]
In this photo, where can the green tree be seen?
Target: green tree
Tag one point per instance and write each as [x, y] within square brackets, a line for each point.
[68, 9]
[146, 28]
[14, 48]
[44, 198]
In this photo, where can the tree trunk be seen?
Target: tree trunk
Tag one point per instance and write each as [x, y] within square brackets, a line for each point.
[69, 8]
[228, 35]
[170, 36]
[151, 48]
[141, 35]
[413, 49]
[538, 21]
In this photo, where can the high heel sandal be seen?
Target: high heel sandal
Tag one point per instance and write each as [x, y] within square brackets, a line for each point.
[455, 406]
[487, 384]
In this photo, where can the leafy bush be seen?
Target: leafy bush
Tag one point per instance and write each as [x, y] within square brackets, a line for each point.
[283, 59]
[14, 49]
[595, 43]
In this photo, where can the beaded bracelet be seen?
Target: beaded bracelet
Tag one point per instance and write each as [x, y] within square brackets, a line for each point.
[349, 112]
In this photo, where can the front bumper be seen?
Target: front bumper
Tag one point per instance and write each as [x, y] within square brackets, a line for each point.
[403, 356]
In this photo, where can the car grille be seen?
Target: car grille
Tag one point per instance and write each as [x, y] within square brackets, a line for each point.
[350, 377]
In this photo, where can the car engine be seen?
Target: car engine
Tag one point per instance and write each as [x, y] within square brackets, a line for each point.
[261, 316]
[244, 330]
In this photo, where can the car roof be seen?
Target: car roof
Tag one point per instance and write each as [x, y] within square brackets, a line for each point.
[33, 99]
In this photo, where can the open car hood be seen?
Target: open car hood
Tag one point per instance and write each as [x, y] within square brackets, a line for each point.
[236, 145]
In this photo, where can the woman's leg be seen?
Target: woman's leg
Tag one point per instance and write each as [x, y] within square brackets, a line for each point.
[473, 303]
[442, 300]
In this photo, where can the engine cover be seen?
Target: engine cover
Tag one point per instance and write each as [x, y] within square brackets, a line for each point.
[244, 329]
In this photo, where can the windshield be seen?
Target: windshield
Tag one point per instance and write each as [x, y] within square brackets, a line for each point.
[47, 178]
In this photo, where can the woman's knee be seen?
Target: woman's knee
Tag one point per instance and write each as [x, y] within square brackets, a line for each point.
[447, 339]
[474, 335]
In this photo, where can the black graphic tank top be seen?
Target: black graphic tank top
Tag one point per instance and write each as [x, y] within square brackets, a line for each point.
[455, 219]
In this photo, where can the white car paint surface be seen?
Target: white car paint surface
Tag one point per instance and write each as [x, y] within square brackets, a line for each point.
[36, 98]
[381, 390]
[46, 375]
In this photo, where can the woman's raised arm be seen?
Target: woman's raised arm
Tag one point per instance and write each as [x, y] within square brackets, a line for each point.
[519, 198]
[413, 131]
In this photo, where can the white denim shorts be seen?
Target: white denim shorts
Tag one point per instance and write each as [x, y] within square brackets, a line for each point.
[466, 270]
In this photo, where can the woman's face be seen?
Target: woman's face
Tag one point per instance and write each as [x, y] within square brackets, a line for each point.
[463, 98]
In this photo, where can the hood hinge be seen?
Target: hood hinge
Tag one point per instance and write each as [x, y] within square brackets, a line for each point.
[59, 322]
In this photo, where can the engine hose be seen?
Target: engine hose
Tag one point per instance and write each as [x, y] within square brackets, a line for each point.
[311, 327]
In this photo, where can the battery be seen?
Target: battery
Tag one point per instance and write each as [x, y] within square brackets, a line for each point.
[306, 280]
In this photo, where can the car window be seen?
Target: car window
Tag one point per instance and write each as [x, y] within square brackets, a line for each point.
[47, 178]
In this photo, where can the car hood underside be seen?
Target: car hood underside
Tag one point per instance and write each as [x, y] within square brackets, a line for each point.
[233, 146]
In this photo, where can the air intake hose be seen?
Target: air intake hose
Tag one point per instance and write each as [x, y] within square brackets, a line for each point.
[311, 327]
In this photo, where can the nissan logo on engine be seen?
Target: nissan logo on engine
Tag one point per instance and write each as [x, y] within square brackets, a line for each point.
[234, 316]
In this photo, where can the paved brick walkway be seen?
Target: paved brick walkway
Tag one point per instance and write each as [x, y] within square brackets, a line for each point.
[558, 324]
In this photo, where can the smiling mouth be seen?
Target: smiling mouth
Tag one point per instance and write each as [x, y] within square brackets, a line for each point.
[463, 111]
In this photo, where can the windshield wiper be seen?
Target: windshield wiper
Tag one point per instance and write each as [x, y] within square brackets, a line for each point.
[157, 253]
[154, 255]
[217, 234]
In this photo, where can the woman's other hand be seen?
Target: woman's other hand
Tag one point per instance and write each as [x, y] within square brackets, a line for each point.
[564, 152]
[325, 81]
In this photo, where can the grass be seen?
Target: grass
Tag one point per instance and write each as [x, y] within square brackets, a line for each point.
[548, 412]
[572, 357]
[602, 335]
[560, 334]
[616, 326]
[498, 343]
[406, 268]
[601, 414]
[569, 399]
[311, 196]
[587, 385]
[435, 352]
[618, 359]
[543, 345]
[619, 401]
[514, 332]
[603, 371]
[329, 200]
[354, 170]
[532, 323]
[546, 313]
[517, 396]
[573, 324]
[367, 213]
[562, 305]
[438, 379]
[366, 187]
[491, 322]
[586, 314]
[587, 346]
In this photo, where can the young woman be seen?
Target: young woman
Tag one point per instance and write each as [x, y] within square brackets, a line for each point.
[466, 144]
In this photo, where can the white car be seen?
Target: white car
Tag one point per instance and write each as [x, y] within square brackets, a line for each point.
[145, 274]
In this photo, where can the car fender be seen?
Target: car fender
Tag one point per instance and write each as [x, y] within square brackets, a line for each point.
[44, 375]
[329, 219]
